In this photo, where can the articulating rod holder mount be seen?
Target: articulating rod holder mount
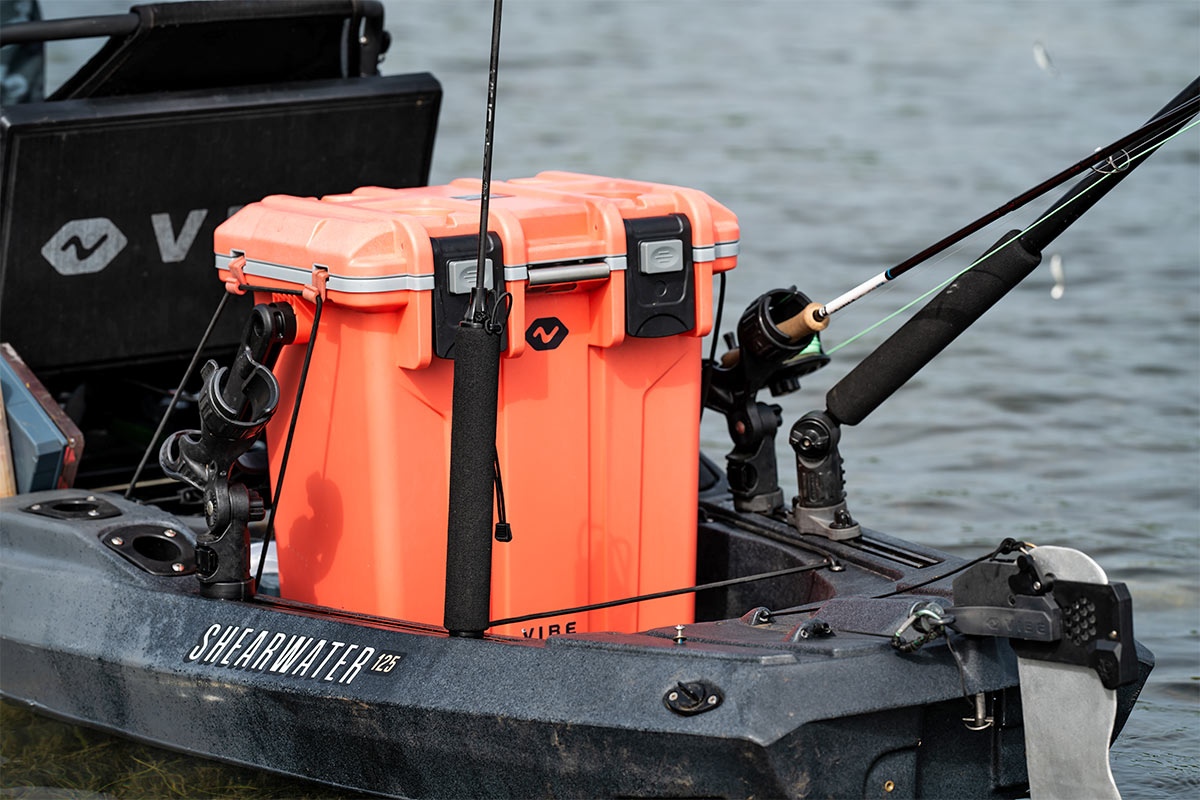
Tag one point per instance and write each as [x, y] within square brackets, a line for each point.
[235, 405]
[820, 507]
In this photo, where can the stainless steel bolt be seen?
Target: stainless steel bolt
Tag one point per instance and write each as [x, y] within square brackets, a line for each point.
[177, 567]
[93, 513]
[170, 534]
[35, 507]
[117, 541]
[91, 497]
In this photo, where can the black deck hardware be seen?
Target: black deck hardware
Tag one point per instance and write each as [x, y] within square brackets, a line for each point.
[1070, 622]
[820, 504]
[157, 549]
[82, 507]
[693, 697]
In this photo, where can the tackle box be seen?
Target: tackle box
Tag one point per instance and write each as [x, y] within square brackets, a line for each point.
[597, 434]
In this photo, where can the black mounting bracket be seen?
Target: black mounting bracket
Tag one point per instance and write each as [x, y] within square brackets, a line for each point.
[235, 405]
[1048, 619]
[820, 506]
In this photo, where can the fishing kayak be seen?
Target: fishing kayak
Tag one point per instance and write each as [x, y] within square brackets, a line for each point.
[667, 627]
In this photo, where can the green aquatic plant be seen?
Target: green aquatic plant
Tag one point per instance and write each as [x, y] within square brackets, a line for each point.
[42, 757]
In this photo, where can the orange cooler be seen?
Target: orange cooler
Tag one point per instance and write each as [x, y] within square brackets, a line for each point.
[597, 433]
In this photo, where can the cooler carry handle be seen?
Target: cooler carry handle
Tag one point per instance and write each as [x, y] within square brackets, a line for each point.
[572, 273]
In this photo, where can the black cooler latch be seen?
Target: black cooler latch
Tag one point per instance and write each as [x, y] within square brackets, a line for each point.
[454, 265]
[660, 290]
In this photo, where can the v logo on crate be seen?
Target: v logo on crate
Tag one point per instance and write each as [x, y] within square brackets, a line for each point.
[546, 333]
[82, 251]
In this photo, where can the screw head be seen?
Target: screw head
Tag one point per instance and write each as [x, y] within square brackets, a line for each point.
[1113, 635]
[93, 513]
[209, 508]
[177, 567]
[889, 786]
[35, 507]
[169, 533]
[673, 696]
[116, 541]
[91, 497]
[712, 699]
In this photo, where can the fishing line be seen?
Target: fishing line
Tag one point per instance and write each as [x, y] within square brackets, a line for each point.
[887, 289]
[1148, 131]
[1150, 147]
[187, 376]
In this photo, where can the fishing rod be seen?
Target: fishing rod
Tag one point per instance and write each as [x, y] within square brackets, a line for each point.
[991, 277]
[473, 460]
[1114, 159]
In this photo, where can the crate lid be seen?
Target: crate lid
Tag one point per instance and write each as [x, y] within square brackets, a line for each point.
[376, 241]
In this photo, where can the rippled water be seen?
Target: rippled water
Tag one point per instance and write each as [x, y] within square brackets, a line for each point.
[848, 136]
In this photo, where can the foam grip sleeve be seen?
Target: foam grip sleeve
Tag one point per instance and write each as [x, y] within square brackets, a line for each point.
[925, 335]
[472, 453]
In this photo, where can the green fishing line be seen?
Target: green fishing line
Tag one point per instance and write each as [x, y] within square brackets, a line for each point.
[998, 247]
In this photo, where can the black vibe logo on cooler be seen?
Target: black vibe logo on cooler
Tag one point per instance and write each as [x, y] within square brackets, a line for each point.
[546, 333]
[299, 656]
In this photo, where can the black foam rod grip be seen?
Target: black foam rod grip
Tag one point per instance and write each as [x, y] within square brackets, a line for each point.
[472, 458]
[934, 327]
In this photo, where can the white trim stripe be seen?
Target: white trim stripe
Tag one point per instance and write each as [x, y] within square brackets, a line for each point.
[356, 284]
[714, 251]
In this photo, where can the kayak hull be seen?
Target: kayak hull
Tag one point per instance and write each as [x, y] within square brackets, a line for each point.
[92, 637]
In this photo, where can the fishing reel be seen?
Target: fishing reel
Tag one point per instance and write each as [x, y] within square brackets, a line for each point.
[762, 355]
[235, 405]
